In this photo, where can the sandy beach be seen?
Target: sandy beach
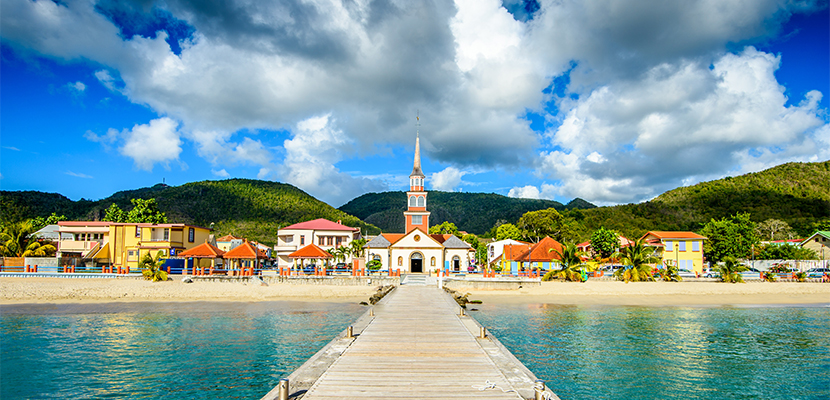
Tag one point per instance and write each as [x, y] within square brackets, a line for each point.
[60, 290]
[57, 290]
[605, 292]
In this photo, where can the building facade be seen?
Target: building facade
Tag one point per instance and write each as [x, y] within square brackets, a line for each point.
[820, 243]
[683, 249]
[416, 251]
[321, 232]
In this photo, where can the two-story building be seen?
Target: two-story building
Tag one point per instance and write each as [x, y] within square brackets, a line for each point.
[123, 244]
[683, 249]
[820, 243]
[321, 232]
[496, 249]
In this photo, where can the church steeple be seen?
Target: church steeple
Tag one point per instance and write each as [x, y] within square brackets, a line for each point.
[416, 214]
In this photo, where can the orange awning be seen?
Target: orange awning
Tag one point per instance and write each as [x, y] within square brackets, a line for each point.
[310, 251]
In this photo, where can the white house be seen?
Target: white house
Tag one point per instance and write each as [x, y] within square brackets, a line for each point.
[322, 232]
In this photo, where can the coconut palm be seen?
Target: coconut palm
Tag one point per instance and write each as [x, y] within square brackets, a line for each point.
[730, 270]
[570, 262]
[37, 249]
[151, 267]
[670, 273]
[637, 259]
[14, 238]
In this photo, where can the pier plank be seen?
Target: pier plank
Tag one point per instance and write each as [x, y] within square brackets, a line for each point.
[416, 347]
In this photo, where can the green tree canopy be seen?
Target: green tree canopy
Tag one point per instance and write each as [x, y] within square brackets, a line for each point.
[784, 252]
[729, 237]
[445, 228]
[145, 211]
[39, 222]
[605, 242]
[115, 214]
[14, 238]
[535, 225]
[508, 231]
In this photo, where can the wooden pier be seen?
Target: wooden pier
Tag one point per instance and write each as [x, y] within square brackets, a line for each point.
[413, 345]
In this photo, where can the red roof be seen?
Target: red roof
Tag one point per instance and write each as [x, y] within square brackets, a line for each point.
[673, 235]
[227, 238]
[245, 250]
[310, 251]
[541, 251]
[204, 250]
[321, 224]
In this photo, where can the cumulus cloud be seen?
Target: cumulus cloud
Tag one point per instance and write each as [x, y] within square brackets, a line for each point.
[155, 143]
[532, 192]
[634, 139]
[310, 156]
[446, 180]
[221, 173]
[638, 109]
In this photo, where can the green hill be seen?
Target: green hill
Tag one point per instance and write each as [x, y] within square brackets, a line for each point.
[471, 212]
[243, 207]
[798, 193]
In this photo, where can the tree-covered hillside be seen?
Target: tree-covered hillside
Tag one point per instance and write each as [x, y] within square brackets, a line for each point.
[243, 207]
[471, 212]
[798, 193]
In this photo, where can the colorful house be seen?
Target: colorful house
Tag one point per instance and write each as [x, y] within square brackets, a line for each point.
[524, 256]
[495, 249]
[321, 232]
[588, 249]
[228, 242]
[820, 243]
[683, 249]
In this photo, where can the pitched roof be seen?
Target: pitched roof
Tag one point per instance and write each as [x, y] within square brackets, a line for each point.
[245, 250]
[310, 251]
[453, 242]
[227, 238]
[673, 235]
[378, 241]
[321, 224]
[821, 233]
[204, 250]
[542, 251]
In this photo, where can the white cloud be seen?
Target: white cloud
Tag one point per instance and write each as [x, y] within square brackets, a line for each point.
[78, 175]
[678, 122]
[446, 180]
[77, 87]
[106, 139]
[524, 192]
[156, 142]
[221, 173]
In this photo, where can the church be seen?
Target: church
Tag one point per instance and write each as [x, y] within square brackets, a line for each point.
[416, 251]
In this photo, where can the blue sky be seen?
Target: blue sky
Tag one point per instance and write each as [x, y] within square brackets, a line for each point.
[610, 101]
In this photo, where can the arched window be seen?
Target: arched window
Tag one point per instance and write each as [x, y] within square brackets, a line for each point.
[432, 261]
[412, 201]
[400, 261]
[421, 201]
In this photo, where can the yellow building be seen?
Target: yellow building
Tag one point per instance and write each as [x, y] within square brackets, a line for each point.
[128, 242]
[683, 249]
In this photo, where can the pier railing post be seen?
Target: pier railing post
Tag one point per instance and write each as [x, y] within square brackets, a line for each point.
[350, 332]
[539, 389]
[482, 332]
[283, 394]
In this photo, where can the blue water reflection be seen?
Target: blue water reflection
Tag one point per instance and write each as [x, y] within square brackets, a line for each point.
[185, 350]
[609, 352]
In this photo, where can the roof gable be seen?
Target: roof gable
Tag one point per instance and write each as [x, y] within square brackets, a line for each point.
[826, 234]
[310, 251]
[417, 238]
[245, 250]
[453, 242]
[204, 250]
[320, 224]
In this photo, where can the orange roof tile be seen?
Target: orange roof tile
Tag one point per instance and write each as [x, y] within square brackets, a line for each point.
[227, 238]
[542, 251]
[204, 250]
[392, 237]
[245, 250]
[310, 251]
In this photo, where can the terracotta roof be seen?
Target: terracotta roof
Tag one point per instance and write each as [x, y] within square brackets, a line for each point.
[227, 238]
[321, 224]
[310, 251]
[673, 235]
[392, 237]
[245, 250]
[541, 251]
[515, 252]
[204, 250]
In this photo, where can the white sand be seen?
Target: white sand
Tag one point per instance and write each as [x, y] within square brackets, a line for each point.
[61, 290]
[662, 293]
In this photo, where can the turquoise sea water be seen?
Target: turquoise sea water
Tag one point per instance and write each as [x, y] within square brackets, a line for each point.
[174, 351]
[669, 352]
[240, 350]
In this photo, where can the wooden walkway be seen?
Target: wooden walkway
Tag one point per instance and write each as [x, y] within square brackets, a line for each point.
[416, 347]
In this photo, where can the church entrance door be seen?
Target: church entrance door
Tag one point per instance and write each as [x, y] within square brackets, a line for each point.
[416, 263]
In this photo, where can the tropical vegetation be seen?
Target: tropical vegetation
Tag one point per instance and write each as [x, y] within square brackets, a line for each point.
[637, 260]
[17, 240]
[150, 267]
[730, 270]
[571, 267]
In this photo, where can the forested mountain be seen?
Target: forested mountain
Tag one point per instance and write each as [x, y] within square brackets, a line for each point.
[243, 207]
[471, 212]
[797, 193]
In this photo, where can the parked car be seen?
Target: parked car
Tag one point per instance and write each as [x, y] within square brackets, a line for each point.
[685, 273]
[817, 272]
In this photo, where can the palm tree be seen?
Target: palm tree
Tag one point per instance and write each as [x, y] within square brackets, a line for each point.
[37, 249]
[570, 262]
[670, 273]
[636, 259]
[730, 270]
[356, 247]
[151, 267]
[14, 238]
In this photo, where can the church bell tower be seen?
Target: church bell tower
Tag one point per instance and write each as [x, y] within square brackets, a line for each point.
[416, 214]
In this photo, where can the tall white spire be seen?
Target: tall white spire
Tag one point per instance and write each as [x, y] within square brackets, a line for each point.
[416, 168]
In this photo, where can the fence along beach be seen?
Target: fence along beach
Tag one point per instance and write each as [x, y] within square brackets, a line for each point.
[414, 344]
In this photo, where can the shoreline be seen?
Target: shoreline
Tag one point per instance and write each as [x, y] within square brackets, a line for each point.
[16, 291]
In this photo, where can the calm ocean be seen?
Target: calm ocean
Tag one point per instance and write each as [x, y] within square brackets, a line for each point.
[240, 350]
